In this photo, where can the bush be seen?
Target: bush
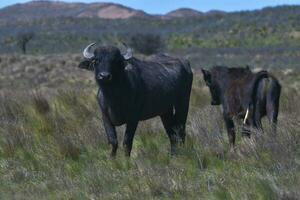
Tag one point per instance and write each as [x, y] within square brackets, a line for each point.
[146, 43]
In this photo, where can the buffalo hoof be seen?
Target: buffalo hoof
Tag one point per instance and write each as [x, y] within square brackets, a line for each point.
[114, 150]
[173, 151]
[113, 154]
[232, 149]
[127, 153]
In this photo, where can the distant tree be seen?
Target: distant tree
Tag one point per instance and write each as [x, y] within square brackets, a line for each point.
[23, 39]
[146, 43]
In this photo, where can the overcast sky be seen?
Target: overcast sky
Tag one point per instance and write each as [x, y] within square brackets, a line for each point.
[164, 6]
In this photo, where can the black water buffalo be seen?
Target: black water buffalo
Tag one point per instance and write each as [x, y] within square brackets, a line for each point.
[131, 90]
[245, 95]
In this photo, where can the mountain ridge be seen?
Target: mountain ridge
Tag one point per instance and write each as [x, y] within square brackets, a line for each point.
[103, 10]
[48, 9]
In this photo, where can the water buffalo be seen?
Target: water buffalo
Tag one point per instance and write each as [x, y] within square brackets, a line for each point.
[131, 90]
[244, 95]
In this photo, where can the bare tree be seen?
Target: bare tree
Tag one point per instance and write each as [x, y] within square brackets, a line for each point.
[23, 39]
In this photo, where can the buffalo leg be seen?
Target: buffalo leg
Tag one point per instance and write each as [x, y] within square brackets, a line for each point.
[128, 137]
[273, 105]
[111, 134]
[272, 114]
[181, 113]
[230, 131]
[257, 121]
[168, 123]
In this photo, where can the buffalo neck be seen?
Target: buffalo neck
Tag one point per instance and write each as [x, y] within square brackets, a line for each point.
[115, 96]
[115, 86]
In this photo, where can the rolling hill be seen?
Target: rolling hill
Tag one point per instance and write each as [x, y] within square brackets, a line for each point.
[184, 12]
[53, 9]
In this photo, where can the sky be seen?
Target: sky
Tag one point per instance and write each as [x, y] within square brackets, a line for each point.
[164, 6]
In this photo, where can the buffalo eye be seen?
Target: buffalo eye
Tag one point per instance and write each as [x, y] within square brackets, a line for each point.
[97, 61]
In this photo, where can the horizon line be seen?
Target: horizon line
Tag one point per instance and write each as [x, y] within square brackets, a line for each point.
[147, 12]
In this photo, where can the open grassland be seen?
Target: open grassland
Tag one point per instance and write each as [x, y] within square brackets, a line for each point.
[53, 145]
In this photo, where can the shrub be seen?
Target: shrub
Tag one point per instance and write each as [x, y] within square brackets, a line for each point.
[146, 43]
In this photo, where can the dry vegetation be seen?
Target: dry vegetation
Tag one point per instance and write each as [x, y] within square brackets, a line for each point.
[53, 146]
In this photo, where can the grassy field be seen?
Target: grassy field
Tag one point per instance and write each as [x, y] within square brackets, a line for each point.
[53, 145]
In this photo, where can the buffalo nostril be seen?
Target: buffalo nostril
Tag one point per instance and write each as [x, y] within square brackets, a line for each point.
[109, 77]
[99, 77]
[104, 76]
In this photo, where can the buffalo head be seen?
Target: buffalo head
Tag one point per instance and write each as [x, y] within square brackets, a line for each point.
[214, 88]
[107, 62]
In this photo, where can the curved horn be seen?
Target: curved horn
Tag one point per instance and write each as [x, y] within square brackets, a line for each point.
[86, 52]
[128, 53]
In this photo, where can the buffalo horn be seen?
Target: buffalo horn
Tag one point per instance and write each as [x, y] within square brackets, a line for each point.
[86, 52]
[128, 53]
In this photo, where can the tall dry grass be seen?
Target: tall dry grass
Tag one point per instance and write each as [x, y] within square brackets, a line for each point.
[53, 146]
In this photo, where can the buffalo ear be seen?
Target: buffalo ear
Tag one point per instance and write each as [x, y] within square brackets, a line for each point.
[86, 64]
[206, 76]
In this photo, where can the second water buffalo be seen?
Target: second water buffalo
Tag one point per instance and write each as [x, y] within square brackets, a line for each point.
[245, 95]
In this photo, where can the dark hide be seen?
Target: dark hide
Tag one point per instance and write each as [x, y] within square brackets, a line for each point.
[134, 90]
[239, 89]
